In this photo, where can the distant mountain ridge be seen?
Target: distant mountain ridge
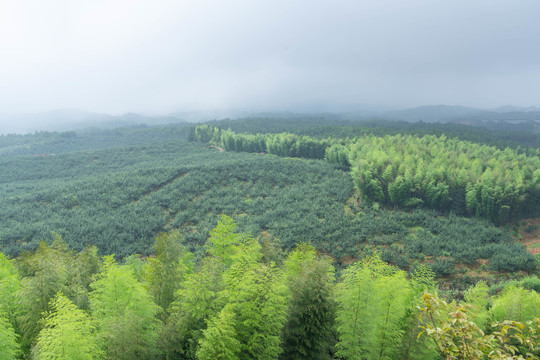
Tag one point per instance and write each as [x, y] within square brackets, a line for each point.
[73, 119]
[511, 108]
[465, 115]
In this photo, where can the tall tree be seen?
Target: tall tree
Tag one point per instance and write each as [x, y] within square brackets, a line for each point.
[164, 273]
[67, 334]
[125, 314]
[259, 302]
[415, 347]
[256, 294]
[219, 338]
[200, 297]
[10, 284]
[195, 303]
[478, 297]
[223, 239]
[85, 265]
[372, 303]
[45, 272]
[308, 333]
[354, 316]
[9, 347]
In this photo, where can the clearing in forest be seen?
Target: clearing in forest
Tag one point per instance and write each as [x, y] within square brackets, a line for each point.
[530, 232]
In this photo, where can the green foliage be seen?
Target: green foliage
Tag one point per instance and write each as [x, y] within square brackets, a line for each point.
[309, 331]
[298, 259]
[99, 197]
[237, 304]
[445, 174]
[355, 300]
[164, 273]
[86, 264]
[245, 257]
[423, 278]
[522, 137]
[67, 334]
[413, 347]
[476, 240]
[9, 347]
[200, 299]
[49, 144]
[91, 197]
[480, 301]
[124, 313]
[223, 239]
[176, 185]
[195, 303]
[272, 250]
[516, 303]
[372, 301]
[51, 269]
[10, 284]
[254, 292]
[219, 338]
[259, 302]
[408, 171]
[45, 273]
[443, 267]
[237, 298]
[531, 283]
[456, 337]
[426, 182]
[337, 154]
[284, 144]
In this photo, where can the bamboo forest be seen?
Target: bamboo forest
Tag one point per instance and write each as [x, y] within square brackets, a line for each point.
[271, 238]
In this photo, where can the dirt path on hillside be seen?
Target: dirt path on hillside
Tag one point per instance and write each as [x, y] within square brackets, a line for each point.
[217, 147]
[531, 238]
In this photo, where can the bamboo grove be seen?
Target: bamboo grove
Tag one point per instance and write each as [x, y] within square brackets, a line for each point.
[409, 171]
[245, 300]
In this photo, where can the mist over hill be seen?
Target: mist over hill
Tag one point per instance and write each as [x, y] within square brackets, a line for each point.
[467, 115]
[74, 119]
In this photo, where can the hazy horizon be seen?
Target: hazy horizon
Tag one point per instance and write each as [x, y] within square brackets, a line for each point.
[347, 109]
[170, 56]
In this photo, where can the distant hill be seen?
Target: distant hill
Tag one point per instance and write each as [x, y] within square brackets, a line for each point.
[511, 108]
[465, 115]
[433, 113]
[74, 119]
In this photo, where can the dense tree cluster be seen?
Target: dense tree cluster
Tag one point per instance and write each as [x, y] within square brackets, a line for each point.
[283, 144]
[523, 137]
[446, 174]
[409, 171]
[244, 301]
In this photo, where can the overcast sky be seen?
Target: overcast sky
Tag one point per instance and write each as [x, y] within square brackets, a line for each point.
[162, 56]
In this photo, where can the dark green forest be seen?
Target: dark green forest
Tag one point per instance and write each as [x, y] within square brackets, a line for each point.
[117, 198]
[521, 136]
[269, 240]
